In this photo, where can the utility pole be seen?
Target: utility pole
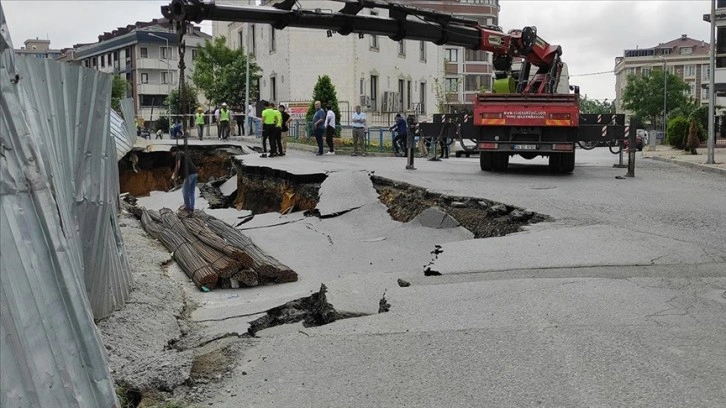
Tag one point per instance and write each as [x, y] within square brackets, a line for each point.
[247, 74]
[711, 86]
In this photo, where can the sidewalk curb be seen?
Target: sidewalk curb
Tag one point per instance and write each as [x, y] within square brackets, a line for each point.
[697, 166]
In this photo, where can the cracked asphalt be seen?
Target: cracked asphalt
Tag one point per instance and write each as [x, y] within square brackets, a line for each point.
[616, 303]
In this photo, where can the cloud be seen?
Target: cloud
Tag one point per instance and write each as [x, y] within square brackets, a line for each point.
[592, 33]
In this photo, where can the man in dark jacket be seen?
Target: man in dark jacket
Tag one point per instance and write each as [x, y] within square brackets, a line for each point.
[401, 129]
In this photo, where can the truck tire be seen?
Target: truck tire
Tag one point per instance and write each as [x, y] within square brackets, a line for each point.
[555, 160]
[485, 160]
[567, 162]
[500, 161]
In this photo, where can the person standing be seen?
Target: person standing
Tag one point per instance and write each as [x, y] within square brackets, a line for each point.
[286, 119]
[224, 117]
[330, 130]
[359, 132]
[278, 131]
[186, 169]
[216, 120]
[268, 130]
[199, 122]
[239, 118]
[401, 129]
[251, 117]
[319, 126]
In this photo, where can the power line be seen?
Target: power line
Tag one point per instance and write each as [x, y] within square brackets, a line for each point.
[593, 73]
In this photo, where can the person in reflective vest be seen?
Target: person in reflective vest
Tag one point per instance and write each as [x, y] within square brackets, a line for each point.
[199, 122]
[224, 115]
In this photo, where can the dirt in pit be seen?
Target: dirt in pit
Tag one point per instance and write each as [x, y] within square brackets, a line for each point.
[262, 190]
[152, 171]
[484, 218]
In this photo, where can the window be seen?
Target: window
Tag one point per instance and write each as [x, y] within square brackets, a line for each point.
[401, 88]
[720, 3]
[666, 51]
[241, 40]
[362, 86]
[451, 85]
[194, 55]
[691, 91]
[374, 92]
[165, 52]
[402, 48]
[144, 52]
[705, 73]
[422, 51]
[408, 94]
[273, 88]
[144, 78]
[686, 50]
[689, 71]
[476, 55]
[422, 98]
[103, 61]
[629, 71]
[253, 51]
[374, 41]
[273, 41]
[167, 77]
[474, 83]
[645, 71]
[108, 60]
[721, 47]
[152, 100]
[451, 54]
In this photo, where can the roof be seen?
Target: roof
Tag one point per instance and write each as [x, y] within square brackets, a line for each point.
[699, 47]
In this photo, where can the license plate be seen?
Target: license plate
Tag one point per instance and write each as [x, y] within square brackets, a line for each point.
[524, 147]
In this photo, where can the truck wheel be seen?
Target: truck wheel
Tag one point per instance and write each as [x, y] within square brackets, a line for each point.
[555, 161]
[500, 161]
[485, 160]
[567, 164]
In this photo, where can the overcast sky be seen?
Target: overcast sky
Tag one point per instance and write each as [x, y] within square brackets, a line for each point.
[591, 33]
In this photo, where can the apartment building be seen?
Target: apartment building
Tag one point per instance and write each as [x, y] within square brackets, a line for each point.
[466, 71]
[720, 47]
[146, 55]
[381, 75]
[685, 57]
[39, 49]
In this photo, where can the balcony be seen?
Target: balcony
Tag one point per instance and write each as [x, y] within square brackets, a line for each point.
[155, 64]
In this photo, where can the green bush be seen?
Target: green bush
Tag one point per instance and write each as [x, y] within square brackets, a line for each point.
[677, 133]
[162, 123]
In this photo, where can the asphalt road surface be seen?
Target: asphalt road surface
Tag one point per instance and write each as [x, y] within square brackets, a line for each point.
[619, 302]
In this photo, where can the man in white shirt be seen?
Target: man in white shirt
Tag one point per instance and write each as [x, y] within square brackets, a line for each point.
[359, 132]
[330, 130]
[216, 120]
[251, 119]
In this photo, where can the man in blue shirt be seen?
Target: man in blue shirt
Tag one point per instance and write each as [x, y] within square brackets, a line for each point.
[401, 129]
[319, 126]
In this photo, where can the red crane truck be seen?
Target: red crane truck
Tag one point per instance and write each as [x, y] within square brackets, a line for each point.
[532, 111]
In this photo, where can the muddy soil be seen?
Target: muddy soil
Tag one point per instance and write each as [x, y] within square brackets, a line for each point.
[153, 170]
[263, 190]
[484, 218]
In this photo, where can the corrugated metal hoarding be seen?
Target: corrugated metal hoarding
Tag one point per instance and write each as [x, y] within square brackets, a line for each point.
[63, 260]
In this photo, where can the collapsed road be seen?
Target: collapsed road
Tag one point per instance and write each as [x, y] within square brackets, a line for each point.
[522, 296]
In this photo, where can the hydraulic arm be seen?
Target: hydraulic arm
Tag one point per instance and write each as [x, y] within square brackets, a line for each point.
[402, 23]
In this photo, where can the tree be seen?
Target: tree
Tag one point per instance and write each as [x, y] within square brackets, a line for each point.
[596, 106]
[119, 90]
[324, 92]
[644, 94]
[219, 72]
[190, 97]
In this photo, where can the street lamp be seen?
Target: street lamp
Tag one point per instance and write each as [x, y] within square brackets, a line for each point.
[168, 80]
[665, 99]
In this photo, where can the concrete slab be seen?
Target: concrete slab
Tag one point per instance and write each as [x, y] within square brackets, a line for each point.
[345, 190]
[229, 187]
[435, 218]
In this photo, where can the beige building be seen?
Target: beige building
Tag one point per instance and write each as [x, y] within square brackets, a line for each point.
[39, 49]
[146, 55]
[381, 75]
[685, 57]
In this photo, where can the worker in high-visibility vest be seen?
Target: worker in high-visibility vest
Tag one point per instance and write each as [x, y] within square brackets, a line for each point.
[199, 122]
[224, 116]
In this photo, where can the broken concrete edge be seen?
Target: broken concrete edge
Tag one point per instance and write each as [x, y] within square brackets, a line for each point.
[312, 311]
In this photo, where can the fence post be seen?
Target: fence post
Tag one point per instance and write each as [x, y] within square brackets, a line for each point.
[380, 139]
